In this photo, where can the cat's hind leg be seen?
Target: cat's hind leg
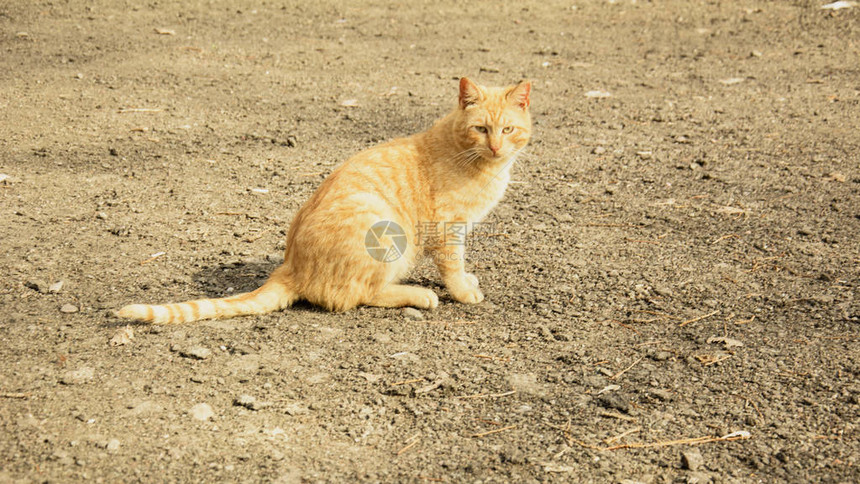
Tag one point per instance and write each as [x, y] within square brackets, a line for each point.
[400, 295]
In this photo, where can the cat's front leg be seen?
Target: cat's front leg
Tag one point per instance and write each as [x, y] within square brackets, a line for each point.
[462, 285]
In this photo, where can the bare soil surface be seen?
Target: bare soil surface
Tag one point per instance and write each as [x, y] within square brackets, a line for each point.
[678, 256]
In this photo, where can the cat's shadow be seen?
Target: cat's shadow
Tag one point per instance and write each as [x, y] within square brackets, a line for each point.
[227, 279]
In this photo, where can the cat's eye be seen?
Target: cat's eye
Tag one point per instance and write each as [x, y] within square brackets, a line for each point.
[481, 129]
[507, 129]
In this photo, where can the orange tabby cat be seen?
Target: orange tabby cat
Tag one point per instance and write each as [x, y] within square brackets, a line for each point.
[356, 237]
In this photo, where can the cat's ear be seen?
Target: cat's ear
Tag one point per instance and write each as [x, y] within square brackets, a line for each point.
[470, 93]
[519, 94]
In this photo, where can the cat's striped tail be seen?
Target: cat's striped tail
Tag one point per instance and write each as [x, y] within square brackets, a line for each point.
[272, 296]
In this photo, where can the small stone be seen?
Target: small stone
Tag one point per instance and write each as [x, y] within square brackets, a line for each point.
[661, 355]
[55, 287]
[599, 150]
[242, 349]
[727, 342]
[645, 155]
[37, 285]
[663, 291]
[381, 338]
[526, 383]
[614, 400]
[412, 313]
[838, 177]
[699, 478]
[68, 308]
[197, 353]
[296, 408]
[692, 459]
[663, 395]
[146, 407]
[112, 445]
[546, 333]
[79, 376]
[122, 337]
[201, 411]
[246, 401]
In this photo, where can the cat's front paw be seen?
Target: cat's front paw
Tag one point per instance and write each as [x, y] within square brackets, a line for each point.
[471, 279]
[428, 300]
[467, 295]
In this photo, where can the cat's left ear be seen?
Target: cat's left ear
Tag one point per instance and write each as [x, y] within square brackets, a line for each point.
[519, 94]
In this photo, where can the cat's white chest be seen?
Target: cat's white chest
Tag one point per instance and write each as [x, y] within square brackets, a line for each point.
[490, 191]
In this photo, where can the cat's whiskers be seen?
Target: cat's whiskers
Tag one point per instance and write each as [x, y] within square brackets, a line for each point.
[465, 157]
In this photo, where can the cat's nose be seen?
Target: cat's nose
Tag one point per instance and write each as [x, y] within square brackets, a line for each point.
[495, 150]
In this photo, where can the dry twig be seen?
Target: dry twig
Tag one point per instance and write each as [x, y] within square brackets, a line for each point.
[406, 382]
[613, 377]
[154, 256]
[694, 320]
[494, 431]
[622, 435]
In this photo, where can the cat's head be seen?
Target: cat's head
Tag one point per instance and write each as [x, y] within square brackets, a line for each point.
[494, 122]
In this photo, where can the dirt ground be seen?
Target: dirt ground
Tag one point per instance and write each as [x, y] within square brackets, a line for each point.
[679, 256]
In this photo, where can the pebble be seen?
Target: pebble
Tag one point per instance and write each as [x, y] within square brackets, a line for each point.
[381, 338]
[79, 376]
[146, 407]
[295, 408]
[661, 355]
[68, 308]
[663, 395]
[546, 333]
[692, 459]
[412, 313]
[111, 445]
[250, 403]
[526, 383]
[244, 401]
[55, 287]
[614, 400]
[201, 411]
[197, 353]
[37, 285]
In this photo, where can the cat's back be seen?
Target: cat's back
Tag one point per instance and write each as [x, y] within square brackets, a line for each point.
[389, 173]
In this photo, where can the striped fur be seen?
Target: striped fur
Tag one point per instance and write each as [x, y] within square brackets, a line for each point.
[269, 297]
[455, 172]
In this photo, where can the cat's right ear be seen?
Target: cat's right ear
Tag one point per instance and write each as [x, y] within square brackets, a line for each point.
[470, 93]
